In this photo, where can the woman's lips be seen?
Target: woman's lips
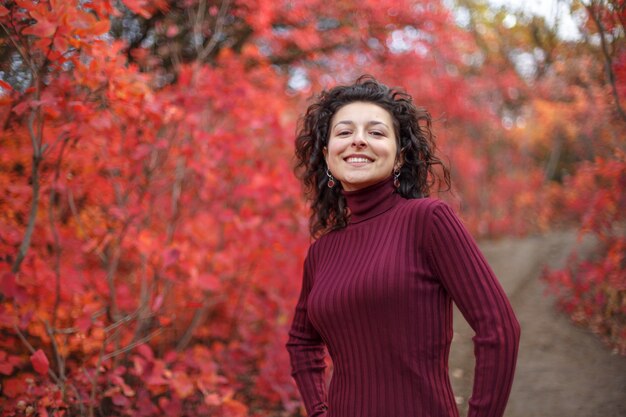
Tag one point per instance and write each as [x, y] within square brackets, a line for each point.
[358, 160]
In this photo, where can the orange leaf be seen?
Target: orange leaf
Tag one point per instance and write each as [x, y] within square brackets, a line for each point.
[212, 399]
[40, 362]
[44, 28]
[3, 11]
[138, 6]
[182, 385]
[234, 408]
[101, 27]
[26, 4]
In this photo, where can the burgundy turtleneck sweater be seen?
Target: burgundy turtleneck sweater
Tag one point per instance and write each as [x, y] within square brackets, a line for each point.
[378, 295]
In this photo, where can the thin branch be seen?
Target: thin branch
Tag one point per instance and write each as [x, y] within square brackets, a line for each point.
[20, 51]
[55, 235]
[198, 318]
[37, 158]
[144, 299]
[57, 353]
[217, 32]
[32, 350]
[121, 321]
[132, 345]
[608, 62]
[243, 292]
[197, 24]
[94, 380]
[176, 193]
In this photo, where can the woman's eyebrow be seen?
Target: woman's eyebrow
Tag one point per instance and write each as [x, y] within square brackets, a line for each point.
[376, 122]
[370, 123]
[344, 122]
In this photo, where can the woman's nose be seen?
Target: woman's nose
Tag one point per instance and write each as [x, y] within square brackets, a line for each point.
[358, 139]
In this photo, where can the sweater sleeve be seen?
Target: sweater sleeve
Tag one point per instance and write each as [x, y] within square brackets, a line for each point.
[307, 351]
[464, 272]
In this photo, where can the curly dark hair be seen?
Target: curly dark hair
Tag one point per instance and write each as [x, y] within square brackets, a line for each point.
[416, 147]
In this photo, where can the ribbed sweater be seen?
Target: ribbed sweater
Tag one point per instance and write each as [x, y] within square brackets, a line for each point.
[378, 296]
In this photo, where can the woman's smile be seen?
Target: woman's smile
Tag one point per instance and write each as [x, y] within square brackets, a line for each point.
[362, 147]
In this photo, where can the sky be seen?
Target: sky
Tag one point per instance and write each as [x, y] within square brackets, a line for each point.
[554, 11]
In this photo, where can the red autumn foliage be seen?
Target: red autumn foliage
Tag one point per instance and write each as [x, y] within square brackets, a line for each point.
[593, 292]
[151, 230]
[40, 362]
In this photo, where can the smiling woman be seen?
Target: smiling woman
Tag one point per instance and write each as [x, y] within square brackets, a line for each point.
[362, 146]
[365, 101]
[379, 281]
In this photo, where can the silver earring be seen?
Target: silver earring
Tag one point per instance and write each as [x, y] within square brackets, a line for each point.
[331, 180]
[396, 177]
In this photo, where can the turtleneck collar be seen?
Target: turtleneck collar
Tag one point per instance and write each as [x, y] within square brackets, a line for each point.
[371, 200]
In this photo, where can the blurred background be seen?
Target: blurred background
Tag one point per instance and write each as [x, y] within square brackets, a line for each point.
[152, 231]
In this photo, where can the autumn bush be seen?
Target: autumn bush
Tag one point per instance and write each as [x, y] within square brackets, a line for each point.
[151, 229]
[592, 195]
[159, 228]
[593, 291]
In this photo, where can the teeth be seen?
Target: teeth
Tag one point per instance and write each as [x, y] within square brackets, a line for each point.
[357, 160]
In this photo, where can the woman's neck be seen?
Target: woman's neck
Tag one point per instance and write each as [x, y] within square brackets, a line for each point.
[371, 201]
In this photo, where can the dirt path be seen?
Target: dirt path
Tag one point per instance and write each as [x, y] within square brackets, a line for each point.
[562, 371]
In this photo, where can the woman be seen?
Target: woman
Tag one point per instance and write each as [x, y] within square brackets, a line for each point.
[379, 281]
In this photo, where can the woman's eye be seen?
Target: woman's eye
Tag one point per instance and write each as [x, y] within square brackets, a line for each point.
[344, 133]
[376, 133]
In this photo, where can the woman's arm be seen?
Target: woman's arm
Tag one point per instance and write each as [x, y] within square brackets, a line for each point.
[307, 352]
[476, 291]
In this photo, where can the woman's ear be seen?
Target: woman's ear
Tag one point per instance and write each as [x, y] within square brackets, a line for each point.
[399, 161]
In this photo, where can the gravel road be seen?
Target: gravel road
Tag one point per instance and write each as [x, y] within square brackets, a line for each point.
[562, 370]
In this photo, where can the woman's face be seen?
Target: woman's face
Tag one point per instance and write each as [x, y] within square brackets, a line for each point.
[362, 145]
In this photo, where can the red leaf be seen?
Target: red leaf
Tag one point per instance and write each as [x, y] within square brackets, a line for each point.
[10, 288]
[208, 282]
[141, 151]
[12, 387]
[170, 257]
[5, 84]
[3, 11]
[84, 322]
[165, 321]
[138, 6]
[120, 400]
[6, 367]
[21, 108]
[40, 362]
[26, 4]
[101, 27]
[43, 28]
[157, 303]
[145, 351]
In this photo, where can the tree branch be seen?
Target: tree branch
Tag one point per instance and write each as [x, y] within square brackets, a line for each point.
[36, 161]
[608, 62]
[32, 350]
[132, 345]
[217, 32]
[55, 236]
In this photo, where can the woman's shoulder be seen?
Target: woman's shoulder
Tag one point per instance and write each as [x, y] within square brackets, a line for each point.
[424, 206]
[318, 244]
